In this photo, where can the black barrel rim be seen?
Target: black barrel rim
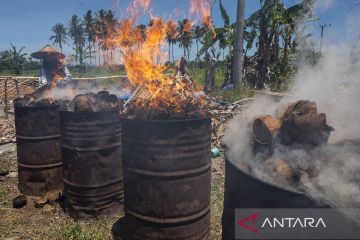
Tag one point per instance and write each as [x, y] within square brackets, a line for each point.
[55, 106]
[94, 112]
[165, 121]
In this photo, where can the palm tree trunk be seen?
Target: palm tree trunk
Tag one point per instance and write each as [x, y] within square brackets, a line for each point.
[99, 52]
[90, 51]
[238, 49]
[94, 46]
[197, 50]
[169, 53]
[172, 50]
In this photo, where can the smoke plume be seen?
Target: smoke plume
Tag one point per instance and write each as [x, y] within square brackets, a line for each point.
[334, 84]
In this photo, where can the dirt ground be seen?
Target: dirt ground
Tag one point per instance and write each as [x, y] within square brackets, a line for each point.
[51, 222]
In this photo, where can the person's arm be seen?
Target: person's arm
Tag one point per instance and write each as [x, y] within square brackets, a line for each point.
[67, 74]
[42, 77]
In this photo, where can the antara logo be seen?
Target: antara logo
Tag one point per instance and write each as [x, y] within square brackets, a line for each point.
[287, 222]
[291, 222]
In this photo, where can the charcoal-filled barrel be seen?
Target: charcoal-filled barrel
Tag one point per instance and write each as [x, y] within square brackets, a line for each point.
[91, 153]
[167, 179]
[38, 149]
[243, 190]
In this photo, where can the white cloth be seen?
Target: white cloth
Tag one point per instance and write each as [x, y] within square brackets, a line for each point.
[43, 80]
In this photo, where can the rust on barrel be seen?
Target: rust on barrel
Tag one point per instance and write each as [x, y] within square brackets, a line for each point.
[91, 151]
[38, 149]
[167, 179]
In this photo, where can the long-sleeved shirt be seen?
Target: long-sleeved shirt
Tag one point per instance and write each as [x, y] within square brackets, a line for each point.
[43, 79]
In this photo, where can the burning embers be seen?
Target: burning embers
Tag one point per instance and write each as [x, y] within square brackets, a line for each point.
[158, 95]
[173, 101]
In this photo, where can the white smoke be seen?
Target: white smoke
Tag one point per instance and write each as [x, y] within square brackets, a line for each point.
[334, 84]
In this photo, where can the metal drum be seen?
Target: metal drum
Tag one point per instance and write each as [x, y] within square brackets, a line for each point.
[91, 151]
[38, 149]
[243, 190]
[167, 179]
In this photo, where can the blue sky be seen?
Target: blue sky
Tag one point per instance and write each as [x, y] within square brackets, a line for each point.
[28, 22]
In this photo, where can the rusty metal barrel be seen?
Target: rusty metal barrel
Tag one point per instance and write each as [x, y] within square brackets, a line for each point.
[38, 149]
[167, 179]
[91, 152]
[243, 190]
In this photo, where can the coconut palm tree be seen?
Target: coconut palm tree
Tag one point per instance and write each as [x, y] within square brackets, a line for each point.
[110, 31]
[60, 36]
[100, 26]
[90, 32]
[199, 31]
[185, 37]
[77, 33]
[171, 36]
[225, 37]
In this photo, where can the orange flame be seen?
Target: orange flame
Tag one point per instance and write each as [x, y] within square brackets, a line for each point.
[171, 30]
[142, 60]
[187, 26]
[202, 9]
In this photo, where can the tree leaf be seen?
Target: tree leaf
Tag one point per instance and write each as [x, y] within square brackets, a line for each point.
[224, 15]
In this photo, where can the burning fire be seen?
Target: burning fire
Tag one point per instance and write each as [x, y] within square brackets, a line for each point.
[174, 95]
[202, 9]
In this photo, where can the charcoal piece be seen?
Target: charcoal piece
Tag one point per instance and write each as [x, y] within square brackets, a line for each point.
[113, 100]
[91, 95]
[82, 103]
[19, 202]
[45, 102]
[4, 173]
[29, 98]
[310, 129]
[21, 102]
[264, 129]
[64, 105]
[102, 96]
[301, 107]
[102, 106]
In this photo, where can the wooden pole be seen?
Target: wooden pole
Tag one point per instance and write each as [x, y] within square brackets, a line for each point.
[17, 87]
[6, 98]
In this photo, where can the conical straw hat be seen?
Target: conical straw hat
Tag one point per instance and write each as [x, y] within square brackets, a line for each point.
[47, 51]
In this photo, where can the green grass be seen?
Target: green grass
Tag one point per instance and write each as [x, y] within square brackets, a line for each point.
[98, 230]
[217, 196]
[77, 231]
[233, 95]
[27, 73]
[198, 76]
[3, 192]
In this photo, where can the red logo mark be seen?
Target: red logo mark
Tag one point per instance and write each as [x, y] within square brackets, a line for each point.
[241, 223]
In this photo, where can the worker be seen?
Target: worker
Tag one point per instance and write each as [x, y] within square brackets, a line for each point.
[53, 69]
